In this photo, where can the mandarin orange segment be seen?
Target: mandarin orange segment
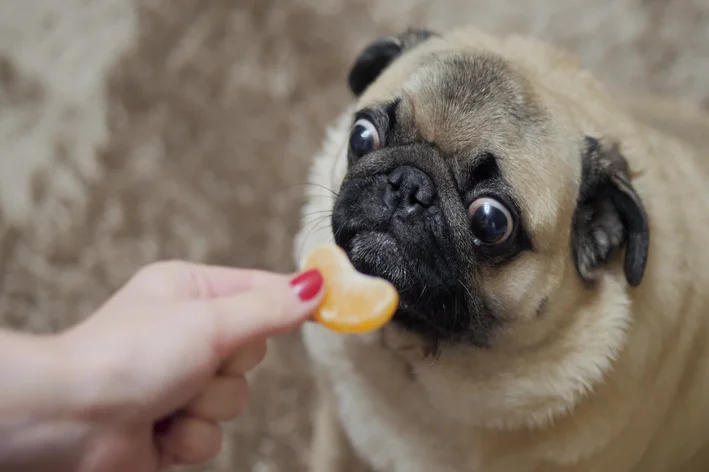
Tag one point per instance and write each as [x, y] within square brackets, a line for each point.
[353, 302]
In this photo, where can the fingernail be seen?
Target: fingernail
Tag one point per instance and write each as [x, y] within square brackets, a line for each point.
[307, 285]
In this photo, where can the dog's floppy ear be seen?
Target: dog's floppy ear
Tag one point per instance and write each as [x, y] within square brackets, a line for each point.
[609, 214]
[379, 54]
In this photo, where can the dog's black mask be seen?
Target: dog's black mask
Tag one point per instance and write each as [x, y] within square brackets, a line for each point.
[390, 219]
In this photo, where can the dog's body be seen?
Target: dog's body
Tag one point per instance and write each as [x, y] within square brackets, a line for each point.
[565, 359]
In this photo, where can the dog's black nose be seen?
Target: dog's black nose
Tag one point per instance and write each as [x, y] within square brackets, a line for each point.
[410, 191]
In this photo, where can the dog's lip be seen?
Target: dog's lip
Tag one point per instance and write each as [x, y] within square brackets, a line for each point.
[362, 244]
[410, 320]
[407, 315]
[373, 236]
[380, 241]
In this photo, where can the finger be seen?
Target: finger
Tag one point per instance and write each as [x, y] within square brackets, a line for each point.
[266, 311]
[188, 280]
[191, 441]
[246, 358]
[222, 399]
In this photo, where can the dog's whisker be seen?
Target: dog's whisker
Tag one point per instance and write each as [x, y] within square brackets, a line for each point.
[318, 213]
[335, 194]
[338, 231]
[304, 199]
[316, 218]
[300, 197]
[316, 226]
[408, 287]
[319, 221]
[425, 286]
[312, 184]
[439, 347]
[467, 290]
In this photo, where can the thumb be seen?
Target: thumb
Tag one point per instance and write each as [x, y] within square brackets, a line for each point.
[267, 310]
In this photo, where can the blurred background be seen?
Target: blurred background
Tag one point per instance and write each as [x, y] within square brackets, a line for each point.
[135, 130]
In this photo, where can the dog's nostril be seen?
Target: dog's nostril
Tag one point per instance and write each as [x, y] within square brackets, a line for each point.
[410, 189]
[425, 195]
[412, 195]
[394, 178]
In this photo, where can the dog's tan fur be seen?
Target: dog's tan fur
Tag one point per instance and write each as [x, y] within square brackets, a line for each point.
[610, 378]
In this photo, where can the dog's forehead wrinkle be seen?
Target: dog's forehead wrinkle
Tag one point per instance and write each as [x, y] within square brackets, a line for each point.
[458, 98]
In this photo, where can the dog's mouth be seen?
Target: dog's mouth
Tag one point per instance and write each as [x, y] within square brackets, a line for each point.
[380, 254]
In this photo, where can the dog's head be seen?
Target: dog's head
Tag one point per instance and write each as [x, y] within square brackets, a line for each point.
[477, 191]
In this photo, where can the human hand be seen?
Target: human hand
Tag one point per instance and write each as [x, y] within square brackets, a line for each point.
[165, 359]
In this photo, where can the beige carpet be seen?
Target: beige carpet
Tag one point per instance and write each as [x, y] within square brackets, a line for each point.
[133, 130]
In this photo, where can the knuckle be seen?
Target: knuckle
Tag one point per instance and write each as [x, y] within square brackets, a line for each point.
[159, 267]
[146, 273]
[157, 277]
[198, 284]
[173, 277]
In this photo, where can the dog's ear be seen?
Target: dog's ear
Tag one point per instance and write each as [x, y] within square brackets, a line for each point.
[377, 56]
[609, 215]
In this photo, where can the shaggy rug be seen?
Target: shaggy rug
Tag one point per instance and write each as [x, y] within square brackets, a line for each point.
[135, 130]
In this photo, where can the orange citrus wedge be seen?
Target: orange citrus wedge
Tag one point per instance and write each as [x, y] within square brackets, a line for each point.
[353, 302]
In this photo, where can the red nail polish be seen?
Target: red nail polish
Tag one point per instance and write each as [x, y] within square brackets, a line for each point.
[307, 285]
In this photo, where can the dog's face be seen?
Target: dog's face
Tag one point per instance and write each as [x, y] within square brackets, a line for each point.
[478, 194]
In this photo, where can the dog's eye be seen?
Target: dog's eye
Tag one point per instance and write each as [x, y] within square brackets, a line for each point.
[364, 138]
[490, 221]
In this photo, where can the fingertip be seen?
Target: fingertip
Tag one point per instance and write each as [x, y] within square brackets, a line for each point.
[308, 285]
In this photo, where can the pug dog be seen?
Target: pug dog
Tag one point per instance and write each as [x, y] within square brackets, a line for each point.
[548, 241]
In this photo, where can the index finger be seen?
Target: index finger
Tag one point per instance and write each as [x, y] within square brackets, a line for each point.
[189, 280]
[265, 311]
